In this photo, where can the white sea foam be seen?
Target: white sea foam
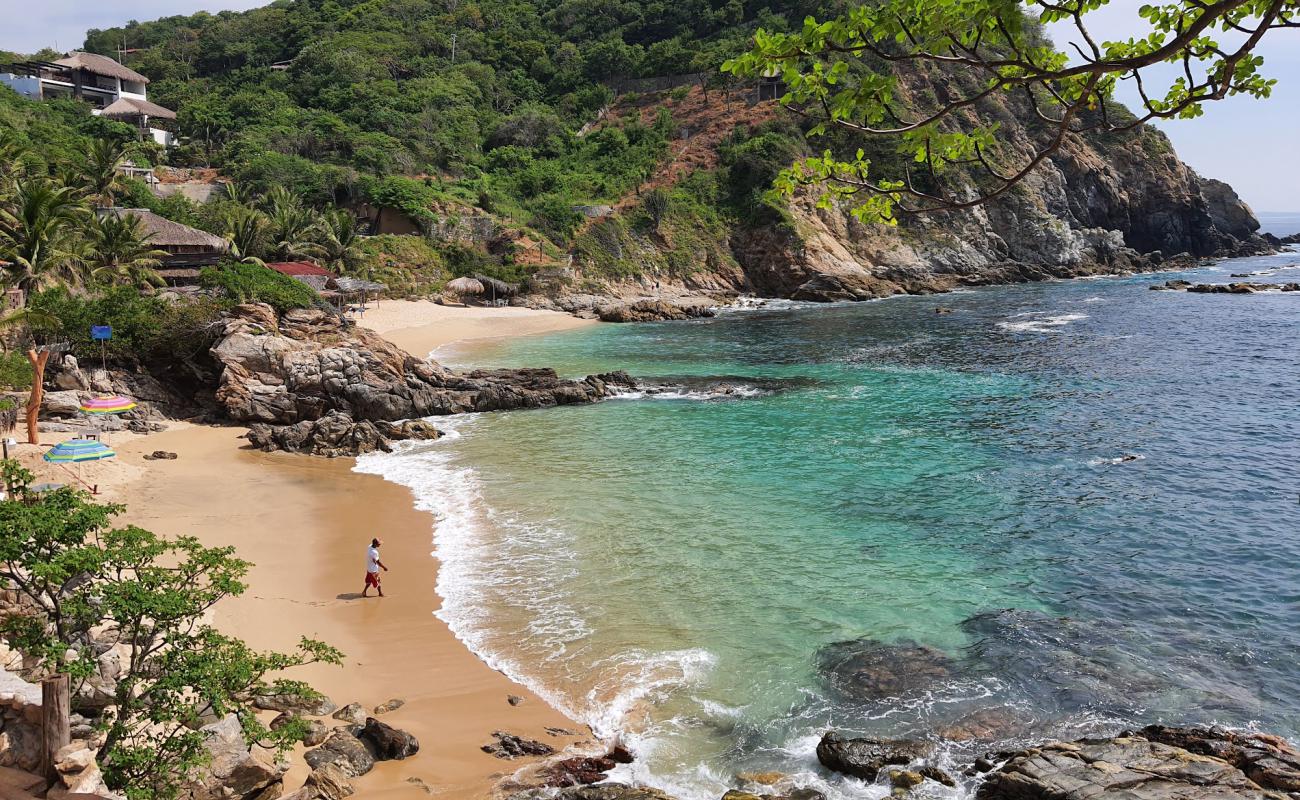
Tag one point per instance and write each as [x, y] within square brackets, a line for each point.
[668, 393]
[1043, 324]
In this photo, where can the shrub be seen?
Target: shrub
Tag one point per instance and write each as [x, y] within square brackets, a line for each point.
[253, 283]
[15, 371]
[554, 216]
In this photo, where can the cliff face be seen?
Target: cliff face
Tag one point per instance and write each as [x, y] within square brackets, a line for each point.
[1101, 204]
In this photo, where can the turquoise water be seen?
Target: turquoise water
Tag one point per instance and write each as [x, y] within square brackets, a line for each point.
[1081, 494]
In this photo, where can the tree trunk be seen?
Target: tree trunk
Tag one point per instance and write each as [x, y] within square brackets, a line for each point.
[55, 705]
[38, 392]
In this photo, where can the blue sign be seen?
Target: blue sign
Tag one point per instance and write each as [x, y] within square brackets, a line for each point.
[101, 332]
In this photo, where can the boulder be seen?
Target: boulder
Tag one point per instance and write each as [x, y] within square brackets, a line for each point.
[314, 730]
[508, 746]
[329, 782]
[905, 779]
[78, 769]
[937, 775]
[386, 742]
[353, 713]
[345, 750]
[336, 434]
[865, 758]
[316, 706]
[578, 771]
[391, 705]
[233, 771]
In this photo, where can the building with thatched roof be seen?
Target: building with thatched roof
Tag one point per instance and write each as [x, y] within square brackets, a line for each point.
[110, 88]
[188, 249]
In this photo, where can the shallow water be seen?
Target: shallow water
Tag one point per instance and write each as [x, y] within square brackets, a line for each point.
[1082, 493]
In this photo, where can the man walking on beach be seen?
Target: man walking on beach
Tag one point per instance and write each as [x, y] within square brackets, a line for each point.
[373, 564]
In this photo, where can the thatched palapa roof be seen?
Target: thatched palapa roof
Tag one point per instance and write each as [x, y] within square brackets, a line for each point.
[497, 288]
[465, 286]
[100, 65]
[164, 233]
[129, 107]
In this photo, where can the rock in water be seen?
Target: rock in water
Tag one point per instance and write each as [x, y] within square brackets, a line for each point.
[388, 743]
[867, 669]
[603, 791]
[1158, 763]
[578, 771]
[864, 758]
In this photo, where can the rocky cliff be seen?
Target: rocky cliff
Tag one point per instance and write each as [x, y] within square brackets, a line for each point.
[1102, 204]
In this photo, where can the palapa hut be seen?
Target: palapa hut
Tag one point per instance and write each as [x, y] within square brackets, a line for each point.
[188, 249]
[496, 290]
[465, 287]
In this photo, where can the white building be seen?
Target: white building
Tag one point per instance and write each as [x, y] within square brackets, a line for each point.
[110, 88]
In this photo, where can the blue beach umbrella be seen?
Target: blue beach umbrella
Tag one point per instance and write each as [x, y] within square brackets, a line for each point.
[78, 450]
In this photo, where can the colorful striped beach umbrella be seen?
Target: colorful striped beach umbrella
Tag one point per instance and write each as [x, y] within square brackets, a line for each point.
[114, 404]
[78, 450]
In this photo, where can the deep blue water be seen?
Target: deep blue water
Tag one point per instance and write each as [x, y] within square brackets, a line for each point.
[1078, 499]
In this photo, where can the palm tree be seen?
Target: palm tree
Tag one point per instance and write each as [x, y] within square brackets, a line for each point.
[337, 239]
[290, 232]
[37, 234]
[246, 232]
[237, 193]
[100, 172]
[121, 253]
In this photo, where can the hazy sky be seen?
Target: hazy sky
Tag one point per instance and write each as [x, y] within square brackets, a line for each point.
[1248, 143]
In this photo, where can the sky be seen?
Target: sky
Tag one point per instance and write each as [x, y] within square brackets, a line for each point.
[1248, 143]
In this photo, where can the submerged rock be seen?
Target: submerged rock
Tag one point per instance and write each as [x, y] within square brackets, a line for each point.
[865, 758]
[868, 669]
[1158, 763]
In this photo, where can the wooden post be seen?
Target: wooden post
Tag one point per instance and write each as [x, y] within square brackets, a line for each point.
[55, 707]
[38, 393]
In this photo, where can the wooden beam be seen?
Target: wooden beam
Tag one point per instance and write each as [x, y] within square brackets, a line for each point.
[55, 707]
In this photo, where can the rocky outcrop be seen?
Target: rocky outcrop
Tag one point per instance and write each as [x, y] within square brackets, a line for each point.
[20, 723]
[652, 311]
[1156, 763]
[336, 434]
[299, 367]
[1229, 213]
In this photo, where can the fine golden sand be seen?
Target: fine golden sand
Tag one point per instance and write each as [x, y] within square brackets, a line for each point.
[305, 523]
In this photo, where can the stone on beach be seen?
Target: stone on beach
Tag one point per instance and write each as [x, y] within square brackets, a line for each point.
[353, 713]
[344, 749]
[390, 705]
[316, 706]
[387, 743]
[508, 745]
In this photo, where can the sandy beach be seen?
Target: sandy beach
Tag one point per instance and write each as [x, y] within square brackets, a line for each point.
[422, 326]
[305, 523]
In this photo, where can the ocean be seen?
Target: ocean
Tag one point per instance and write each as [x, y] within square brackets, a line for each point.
[1063, 508]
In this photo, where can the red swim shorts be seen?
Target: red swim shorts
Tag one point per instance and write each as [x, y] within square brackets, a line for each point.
[372, 579]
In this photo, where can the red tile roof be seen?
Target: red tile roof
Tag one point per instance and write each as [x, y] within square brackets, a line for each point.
[296, 268]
